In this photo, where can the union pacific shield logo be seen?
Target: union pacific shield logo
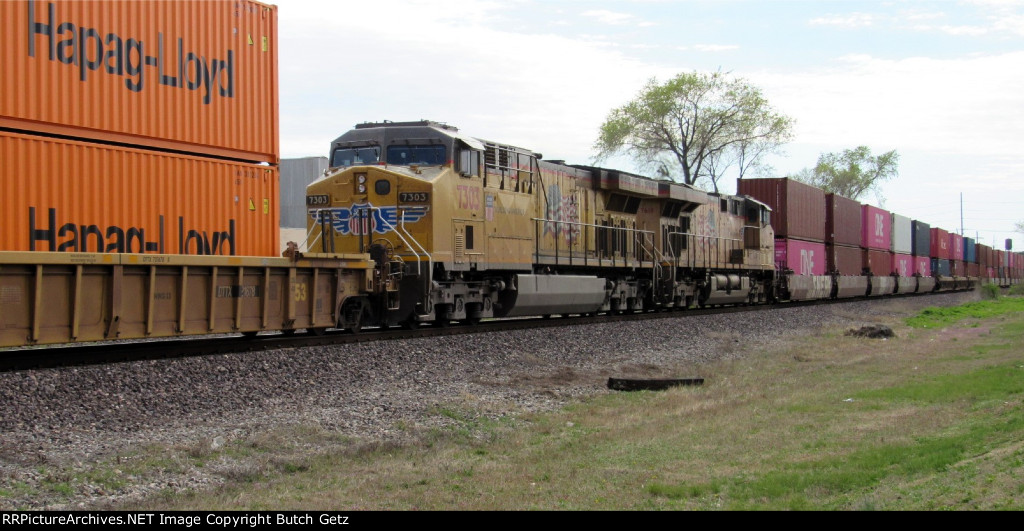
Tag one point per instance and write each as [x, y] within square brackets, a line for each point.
[361, 219]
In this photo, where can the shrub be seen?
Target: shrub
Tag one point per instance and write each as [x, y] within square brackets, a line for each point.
[989, 291]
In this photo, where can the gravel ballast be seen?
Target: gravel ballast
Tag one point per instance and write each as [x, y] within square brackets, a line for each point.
[62, 423]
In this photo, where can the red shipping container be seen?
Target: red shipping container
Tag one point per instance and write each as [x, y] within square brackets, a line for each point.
[843, 219]
[194, 76]
[956, 246]
[843, 259]
[62, 195]
[879, 263]
[903, 265]
[984, 255]
[958, 267]
[798, 209]
[972, 270]
[923, 266]
[803, 257]
[876, 228]
[940, 244]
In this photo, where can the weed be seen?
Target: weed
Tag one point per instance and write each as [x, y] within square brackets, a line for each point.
[989, 291]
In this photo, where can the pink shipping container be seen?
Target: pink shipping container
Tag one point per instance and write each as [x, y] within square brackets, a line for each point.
[191, 76]
[923, 266]
[879, 263]
[956, 247]
[798, 209]
[843, 219]
[803, 257]
[876, 228]
[990, 272]
[843, 259]
[940, 244]
[67, 196]
[903, 265]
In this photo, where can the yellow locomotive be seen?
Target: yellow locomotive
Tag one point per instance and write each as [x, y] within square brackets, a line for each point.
[463, 229]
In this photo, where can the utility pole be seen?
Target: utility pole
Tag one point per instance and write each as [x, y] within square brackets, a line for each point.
[961, 213]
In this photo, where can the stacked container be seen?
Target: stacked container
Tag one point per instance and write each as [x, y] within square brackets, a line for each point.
[876, 240]
[971, 257]
[120, 121]
[984, 260]
[921, 242]
[798, 218]
[956, 255]
[843, 232]
[902, 246]
[940, 252]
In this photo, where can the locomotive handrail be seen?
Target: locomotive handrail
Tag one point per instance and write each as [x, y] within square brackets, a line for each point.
[586, 242]
[424, 276]
[402, 236]
[319, 215]
[711, 259]
[656, 269]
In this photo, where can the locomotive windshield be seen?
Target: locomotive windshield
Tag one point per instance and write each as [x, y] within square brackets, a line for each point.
[423, 155]
[355, 156]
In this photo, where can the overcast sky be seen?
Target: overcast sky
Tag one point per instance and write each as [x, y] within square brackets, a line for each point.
[941, 82]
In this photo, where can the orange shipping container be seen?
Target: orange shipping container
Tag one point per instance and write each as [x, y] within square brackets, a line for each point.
[69, 196]
[196, 76]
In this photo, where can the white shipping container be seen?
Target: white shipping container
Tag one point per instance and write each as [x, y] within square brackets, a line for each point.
[902, 235]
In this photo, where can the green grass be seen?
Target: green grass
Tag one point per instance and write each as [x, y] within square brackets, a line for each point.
[824, 422]
[937, 317]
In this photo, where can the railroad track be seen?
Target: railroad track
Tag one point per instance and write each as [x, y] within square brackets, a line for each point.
[57, 356]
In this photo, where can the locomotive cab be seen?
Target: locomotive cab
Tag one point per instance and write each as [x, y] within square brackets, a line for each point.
[378, 197]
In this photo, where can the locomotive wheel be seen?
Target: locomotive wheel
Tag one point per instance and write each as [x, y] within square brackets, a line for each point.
[352, 316]
[442, 320]
[357, 324]
[410, 324]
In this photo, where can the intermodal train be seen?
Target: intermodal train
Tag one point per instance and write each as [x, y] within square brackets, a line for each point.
[417, 223]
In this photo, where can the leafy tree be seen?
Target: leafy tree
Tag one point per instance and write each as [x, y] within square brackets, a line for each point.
[1019, 227]
[694, 126]
[851, 173]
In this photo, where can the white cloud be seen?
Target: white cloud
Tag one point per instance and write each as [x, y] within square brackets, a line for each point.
[969, 105]
[544, 92]
[954, 121]
[715, 47]
[1009, 23]
[614, 18]
[850, 20]
[609, 17]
